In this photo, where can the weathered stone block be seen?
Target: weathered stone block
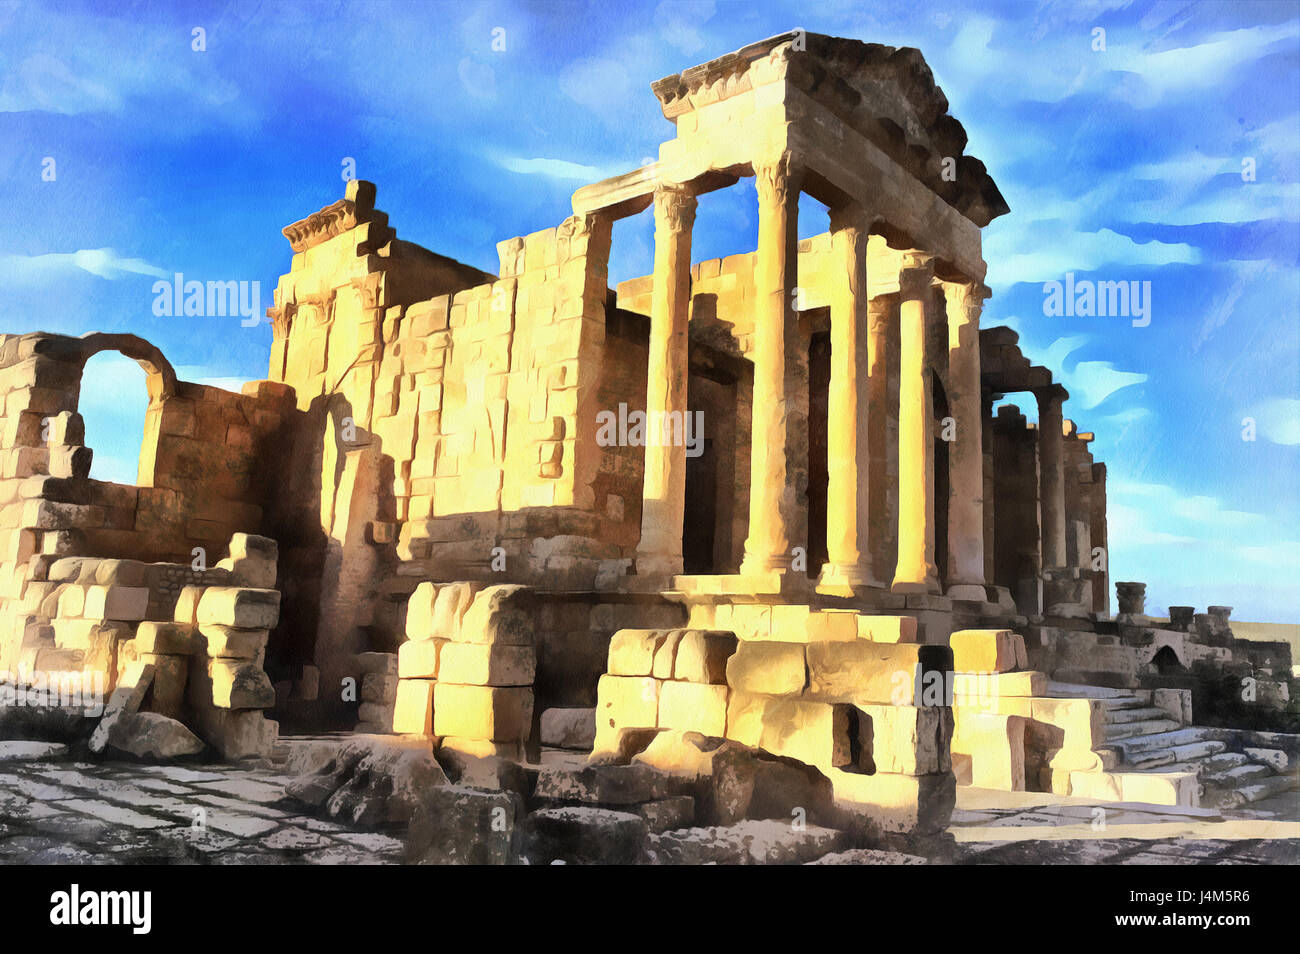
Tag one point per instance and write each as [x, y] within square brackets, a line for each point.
[418, 658]
[698, 707]
[413, 709]
[242, 607]
[484, 664]
[239, 684]
[482, 712]
[769, 668]
[702, 656]
[988, 650]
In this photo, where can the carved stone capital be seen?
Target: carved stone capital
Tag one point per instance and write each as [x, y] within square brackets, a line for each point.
[915, 274]
[674, 208]
[777, 180]
[852, 216]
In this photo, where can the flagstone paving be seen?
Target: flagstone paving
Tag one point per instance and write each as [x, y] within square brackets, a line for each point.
[123, 813]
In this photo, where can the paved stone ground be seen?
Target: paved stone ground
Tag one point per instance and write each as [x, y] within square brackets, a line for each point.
[1033, 828]
[117, 813]
[68, 812]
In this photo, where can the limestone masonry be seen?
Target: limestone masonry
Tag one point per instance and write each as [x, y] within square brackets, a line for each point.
[860, 584]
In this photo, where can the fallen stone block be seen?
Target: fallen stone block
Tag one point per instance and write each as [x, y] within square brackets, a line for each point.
[769, 842]
[665, 814]
[152, 737]
[456, 825]
[167, 690]
[583, 835]
[132, 685]
[372, 781]
[569, 728]
[616, 785]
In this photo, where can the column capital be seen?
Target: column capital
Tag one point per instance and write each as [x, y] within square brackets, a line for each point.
[777, 178]
[1052, 394]
[853, 216]
[674, 207]
[967, 295]
[915, 274]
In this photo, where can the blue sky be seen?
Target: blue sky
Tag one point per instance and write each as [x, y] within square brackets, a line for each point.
[1118, 164]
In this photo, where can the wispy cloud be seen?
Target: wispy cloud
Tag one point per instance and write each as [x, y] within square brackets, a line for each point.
[101, 262]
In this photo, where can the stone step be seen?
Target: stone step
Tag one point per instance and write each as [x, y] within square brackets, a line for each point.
[1146, 713]
[1155, 741]
[1133, 730]
[1069, 690]
[1240, 775]
[1194, 751]
[1222, 762]
[1253, 791]
[1161, 759]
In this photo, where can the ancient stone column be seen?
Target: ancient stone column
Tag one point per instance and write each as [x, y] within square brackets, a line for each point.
[1132, 598]
[772, 494]
[1051, 467]
[664, 489]
[848, 504]
[915, 572]
[966, 453]
[880, 528]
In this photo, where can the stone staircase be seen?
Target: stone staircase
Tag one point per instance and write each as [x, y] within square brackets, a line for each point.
[1146, 745]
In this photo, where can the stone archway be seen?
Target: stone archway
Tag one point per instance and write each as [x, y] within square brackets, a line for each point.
[160, 375]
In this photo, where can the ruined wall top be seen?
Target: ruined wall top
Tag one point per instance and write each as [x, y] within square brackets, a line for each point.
[886, 93]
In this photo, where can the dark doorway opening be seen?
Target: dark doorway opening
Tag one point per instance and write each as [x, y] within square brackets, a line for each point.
[819, 382]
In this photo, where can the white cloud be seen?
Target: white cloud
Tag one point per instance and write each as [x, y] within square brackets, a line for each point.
[1016, 256]
[1278, 420]
[102, 262]
[1092, 382]
[555, 168]
[598, 84]
[680, 20]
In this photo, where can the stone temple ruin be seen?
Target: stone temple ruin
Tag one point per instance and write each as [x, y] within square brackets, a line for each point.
[462, 510]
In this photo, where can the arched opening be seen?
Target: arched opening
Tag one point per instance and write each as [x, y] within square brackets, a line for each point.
[113, 400]
[1166, 662]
